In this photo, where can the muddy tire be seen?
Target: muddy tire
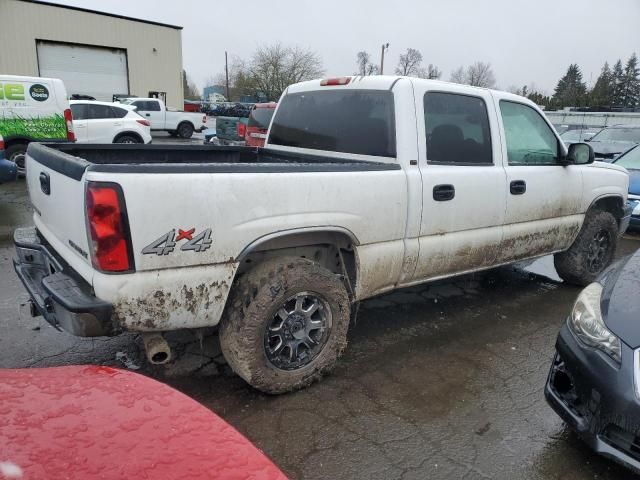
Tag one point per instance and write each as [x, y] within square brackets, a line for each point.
[592, 251]
[289, 301]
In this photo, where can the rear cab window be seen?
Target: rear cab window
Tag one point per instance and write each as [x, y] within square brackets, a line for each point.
[457, 129]
[351, 121]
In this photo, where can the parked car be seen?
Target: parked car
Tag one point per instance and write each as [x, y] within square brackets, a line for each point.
[631, 161]
[612, 141]
[95, 422]
[578, 135]
[362, 187]
[258, 124]
[175, 122]
[594, 381]
[8, 169]
[103, 122]
[32, 109]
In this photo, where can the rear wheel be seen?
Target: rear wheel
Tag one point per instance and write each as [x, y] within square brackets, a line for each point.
[592, 251]
[17, 154]
[185, 130]
[285, 324]
[127, 139]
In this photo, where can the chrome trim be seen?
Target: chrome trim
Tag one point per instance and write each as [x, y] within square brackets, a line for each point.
[633, 197]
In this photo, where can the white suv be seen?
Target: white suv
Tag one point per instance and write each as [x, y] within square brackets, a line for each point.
[103, 122]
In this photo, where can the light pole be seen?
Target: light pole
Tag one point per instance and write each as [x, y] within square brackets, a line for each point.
[385, 46]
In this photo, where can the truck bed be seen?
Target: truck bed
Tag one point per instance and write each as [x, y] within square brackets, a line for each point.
[73, 160]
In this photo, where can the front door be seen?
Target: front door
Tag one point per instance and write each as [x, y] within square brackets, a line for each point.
[544, 197]
[463, 179]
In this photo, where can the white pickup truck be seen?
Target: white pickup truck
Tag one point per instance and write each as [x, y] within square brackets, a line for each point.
[176, 122]
[365, 185]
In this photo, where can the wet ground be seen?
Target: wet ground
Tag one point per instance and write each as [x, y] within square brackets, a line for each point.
[441, 381]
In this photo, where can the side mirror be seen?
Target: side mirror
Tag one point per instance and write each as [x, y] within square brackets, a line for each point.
[580, 154]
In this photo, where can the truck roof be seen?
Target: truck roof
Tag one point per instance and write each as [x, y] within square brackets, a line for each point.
[386, 82]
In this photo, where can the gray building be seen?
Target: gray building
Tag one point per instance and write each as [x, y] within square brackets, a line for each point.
[94, 53]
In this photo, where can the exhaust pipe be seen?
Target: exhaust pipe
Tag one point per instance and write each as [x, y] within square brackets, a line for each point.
[156, 347]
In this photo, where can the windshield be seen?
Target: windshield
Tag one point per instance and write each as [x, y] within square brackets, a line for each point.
[260, 117]
[571, 135]
[618, 135]
[631, 159]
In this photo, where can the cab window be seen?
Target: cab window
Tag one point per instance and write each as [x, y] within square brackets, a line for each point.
[530, 140]
[457, 128]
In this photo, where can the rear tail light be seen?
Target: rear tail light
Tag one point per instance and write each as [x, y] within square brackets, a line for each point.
[1, 144]
[242, 129]
[335, 81]
[68, 119]
[108, 228]
[144, 122]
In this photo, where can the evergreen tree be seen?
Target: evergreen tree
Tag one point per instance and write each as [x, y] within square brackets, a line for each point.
[630, 85]
[571, 91]
[602, 92]
[618, 76]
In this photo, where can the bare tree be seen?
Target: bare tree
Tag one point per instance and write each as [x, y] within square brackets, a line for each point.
[365, 67]
[433, 72]
[478, 74]
[459, 75]
[274, 67]
[410, 63]
[190, 89]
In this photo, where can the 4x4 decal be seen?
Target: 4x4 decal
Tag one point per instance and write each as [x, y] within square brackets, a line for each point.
[167, 242]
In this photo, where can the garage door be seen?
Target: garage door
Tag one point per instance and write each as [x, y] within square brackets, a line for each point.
[96, 71]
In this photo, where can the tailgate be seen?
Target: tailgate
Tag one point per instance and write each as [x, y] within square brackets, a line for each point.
[227, 128]
[56, 190]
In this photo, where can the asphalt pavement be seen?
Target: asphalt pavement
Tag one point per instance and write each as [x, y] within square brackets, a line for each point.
[439, 381]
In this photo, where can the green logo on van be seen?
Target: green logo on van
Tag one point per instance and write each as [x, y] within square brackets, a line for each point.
[39, 92]
[12, 91]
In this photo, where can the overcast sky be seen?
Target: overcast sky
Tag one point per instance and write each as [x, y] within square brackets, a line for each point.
[526, 42]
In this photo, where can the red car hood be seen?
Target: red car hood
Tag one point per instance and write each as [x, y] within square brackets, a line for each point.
[92, 422]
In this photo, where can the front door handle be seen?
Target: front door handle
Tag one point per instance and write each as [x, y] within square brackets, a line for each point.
[147, 114]
[443, 193]
[518, 187]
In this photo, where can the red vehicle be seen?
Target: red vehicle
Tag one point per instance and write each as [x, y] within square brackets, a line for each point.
[256, 131]
[91, 422]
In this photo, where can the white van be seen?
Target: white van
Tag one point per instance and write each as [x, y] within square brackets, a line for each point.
[32, 109]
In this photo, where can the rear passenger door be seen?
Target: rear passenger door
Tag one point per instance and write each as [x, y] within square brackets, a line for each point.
[464, 185]
[544, 197]
[103, 123]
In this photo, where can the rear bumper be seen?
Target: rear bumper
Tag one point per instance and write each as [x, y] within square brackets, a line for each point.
[57, 292]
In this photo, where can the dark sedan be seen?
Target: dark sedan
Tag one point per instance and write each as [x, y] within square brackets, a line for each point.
[612, 141]
[631, 161]
[594, 382]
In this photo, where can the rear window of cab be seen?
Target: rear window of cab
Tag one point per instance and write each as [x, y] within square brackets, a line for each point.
[347, 121]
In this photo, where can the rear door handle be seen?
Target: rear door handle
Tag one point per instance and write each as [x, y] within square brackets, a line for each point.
[45, 183]
[518, 187]
[147, 114]
[444, 193]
